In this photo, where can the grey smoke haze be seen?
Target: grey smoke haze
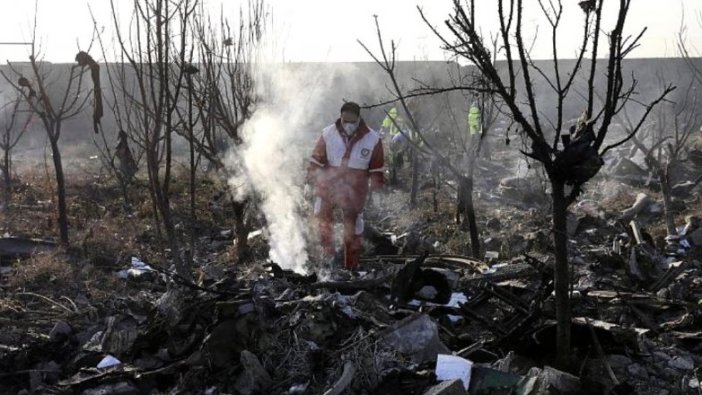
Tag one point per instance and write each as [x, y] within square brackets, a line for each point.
[278, 140]
[269, 159]
[298, 101]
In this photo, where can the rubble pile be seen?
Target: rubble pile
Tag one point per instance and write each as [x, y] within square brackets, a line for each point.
[413, 319]
[377, 331]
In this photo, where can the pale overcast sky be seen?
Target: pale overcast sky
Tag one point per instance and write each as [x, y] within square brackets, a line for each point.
[326, 30]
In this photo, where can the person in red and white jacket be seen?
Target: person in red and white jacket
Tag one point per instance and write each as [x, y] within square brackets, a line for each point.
[347, 160]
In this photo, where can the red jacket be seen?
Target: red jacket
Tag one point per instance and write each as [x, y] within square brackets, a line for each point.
[341, 167]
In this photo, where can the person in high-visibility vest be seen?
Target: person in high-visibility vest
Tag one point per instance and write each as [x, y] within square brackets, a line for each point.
[475, 129]
[391, 126]
[388, 126]
[474, 120]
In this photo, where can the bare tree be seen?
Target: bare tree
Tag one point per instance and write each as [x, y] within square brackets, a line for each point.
[470, 148]
[12, 132]
[122, 161]
[152, 79]
[691, 55]
[413, 130]
[571, 164]
[53, 99]
[664, 143]
[422, 144]
[224, 89]
[223, 94]
[688, 51]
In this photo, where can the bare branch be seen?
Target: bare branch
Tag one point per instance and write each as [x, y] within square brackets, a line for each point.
[641, 121]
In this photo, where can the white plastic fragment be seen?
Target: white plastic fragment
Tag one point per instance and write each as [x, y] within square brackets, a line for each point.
[108, 362]
[457, 298]
[491, 255]
[138, 268]
[451, 367]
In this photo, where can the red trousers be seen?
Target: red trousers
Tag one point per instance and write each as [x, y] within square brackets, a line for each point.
[353, 229]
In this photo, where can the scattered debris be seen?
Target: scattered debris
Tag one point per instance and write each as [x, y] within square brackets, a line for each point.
[449, 367]
[13, 248]
[138, 271]
[60, 331]
[418, 337]
[449, 387]
[411, 320]
[254, 379]
[108, 362]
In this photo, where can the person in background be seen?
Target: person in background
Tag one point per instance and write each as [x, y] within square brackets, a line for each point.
[475, 128]
[391, 126]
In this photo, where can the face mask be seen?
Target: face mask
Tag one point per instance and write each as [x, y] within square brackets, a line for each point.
[350, 128]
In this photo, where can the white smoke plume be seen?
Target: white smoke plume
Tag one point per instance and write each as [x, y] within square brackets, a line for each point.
[278, 141]
[271, 168]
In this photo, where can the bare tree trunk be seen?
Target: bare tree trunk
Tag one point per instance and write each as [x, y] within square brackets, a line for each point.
[192, 170]
[153, 179]
[165, 210]
[667, 203]
[465, 185]
[241, 230]
[415, 179]
[162, 203]
[60, 191]
[7, 178]
[435, 193]
[157, 218]
[182, 268]
[125, 193]
[561, 276]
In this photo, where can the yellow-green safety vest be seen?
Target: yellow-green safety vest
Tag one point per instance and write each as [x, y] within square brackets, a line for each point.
[474, 120]
[390, 125]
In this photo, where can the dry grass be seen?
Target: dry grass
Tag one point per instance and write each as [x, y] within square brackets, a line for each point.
[104, 234]
[45, 272]
[56, 275]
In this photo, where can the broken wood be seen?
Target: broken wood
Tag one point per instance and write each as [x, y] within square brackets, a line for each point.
[465, 352]
[600, 353]
[636, 230]
[344, 381]
[615, 329]
[633, 266]
[443, 261]
[645, 319]
[675, 269]
[352, 286]
[642, 201]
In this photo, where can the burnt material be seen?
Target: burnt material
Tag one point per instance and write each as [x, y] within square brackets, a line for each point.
[12, 248]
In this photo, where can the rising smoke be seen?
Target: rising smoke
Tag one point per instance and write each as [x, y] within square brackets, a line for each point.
[270, 168]
[278, 140]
